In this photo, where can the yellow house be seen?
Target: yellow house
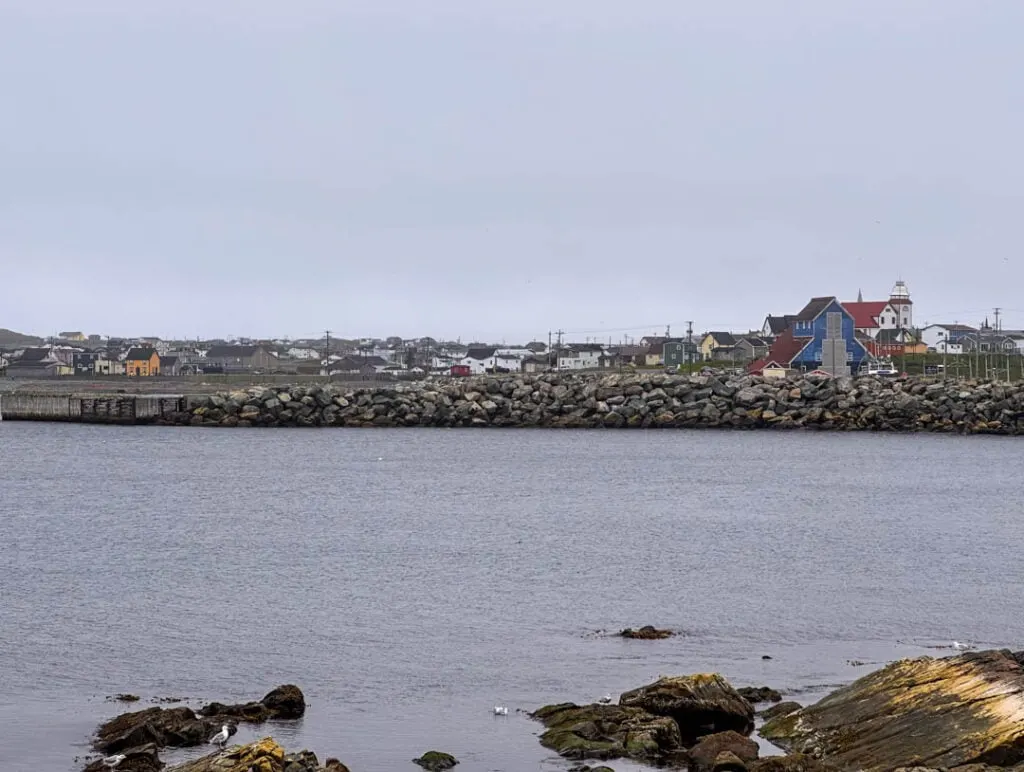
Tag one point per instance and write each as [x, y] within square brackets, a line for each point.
[715, 340]
[142, 362]
[76, 336]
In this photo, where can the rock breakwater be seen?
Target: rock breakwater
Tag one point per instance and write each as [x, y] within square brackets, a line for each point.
[616, 401]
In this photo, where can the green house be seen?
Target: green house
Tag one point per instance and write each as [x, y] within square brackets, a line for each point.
[679, 352]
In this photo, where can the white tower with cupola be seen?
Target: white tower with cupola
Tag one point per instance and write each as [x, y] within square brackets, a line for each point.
[901, 303]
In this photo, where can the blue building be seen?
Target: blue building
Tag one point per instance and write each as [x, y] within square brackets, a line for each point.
[822, 336]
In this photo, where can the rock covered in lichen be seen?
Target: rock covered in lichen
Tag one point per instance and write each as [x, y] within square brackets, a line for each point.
[262, 756]
[607, 732]
[951, 712]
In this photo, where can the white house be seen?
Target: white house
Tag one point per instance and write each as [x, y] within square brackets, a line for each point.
[479, 360]
[443, 361]
[946, 337]
[947, 347]
[104, 365]
[580, 356]
[303, 353]
[491, 359]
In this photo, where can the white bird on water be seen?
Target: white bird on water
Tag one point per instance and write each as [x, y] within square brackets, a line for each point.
[112, 762]
[221, 738]
[500, 710]
[960, 646]
[606, 700]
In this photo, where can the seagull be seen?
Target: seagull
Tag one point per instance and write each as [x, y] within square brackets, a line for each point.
[960, 646]
[112, 762]
[500, 710]
[606, 700]
[221, 738]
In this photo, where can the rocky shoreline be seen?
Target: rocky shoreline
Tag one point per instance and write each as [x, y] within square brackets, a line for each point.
[643, 401]
[956, 714]
[959, 714]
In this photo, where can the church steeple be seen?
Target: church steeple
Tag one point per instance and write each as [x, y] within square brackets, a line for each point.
[860, 296]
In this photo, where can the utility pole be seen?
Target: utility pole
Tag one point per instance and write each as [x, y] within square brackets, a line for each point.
[558, 346]
[689, 341]
[997, 310]
[327, 353]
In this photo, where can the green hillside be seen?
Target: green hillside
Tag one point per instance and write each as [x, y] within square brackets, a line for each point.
[9, 338]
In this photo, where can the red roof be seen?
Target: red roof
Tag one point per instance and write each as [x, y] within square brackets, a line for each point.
[783, 351]
[864, 314]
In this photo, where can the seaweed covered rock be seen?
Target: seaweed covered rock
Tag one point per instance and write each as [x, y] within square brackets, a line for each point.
[646, 633]
[161, 727]
[756, 694]
[609, 732]
[436, 761]
[942, 713]
[141, 759]
[284, 702]
[700, 704]
[706, 755]
[181, 727]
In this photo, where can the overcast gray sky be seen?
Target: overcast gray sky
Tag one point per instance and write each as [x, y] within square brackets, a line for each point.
[494, 169]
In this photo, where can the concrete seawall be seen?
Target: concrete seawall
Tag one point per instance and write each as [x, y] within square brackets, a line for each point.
[573, 401]
[91, 408]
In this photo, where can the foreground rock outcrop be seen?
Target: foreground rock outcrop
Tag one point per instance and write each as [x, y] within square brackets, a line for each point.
[144, 758]
[262, 756]
[655, 724]
[607, 732]
[721, 750]
[699, 704]
[646, 400]
[931, 713]
[181, 727]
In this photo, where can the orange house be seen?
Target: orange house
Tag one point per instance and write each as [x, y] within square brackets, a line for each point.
[142, 362]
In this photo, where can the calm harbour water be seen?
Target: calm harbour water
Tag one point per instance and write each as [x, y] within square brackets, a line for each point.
[408, 580]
